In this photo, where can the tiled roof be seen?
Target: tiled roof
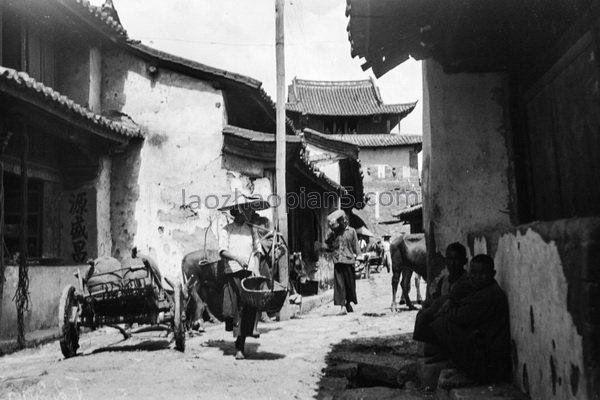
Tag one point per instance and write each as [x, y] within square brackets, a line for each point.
[311, 169]
[328, 143]
[349, 143]
[380, 140]
[31, 90]
[347, 151]
[409, 212]
[260, 145]
[255, 136]
[257, 145]
[194, 65]
[341, 98]
[105, 16]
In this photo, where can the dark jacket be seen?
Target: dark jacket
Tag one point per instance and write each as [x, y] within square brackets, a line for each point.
[344, 245]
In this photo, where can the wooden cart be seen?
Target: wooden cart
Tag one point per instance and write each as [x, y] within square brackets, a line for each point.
[124, 296]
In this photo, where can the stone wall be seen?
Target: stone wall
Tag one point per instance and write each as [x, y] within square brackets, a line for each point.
[467, 185]
[550, 273]
[45, 286]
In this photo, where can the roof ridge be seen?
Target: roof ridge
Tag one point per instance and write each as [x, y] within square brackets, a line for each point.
[166, 56]
[372, 134]
[332, 83]
[376, 90]
[410, 103]
[101, 14]
[295, 90]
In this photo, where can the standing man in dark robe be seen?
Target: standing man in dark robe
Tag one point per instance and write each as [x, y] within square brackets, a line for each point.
[475, 331]
[342, 242]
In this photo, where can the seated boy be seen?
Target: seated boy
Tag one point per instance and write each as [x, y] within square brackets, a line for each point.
[474, 331]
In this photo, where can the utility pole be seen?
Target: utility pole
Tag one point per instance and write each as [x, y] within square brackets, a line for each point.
[280, 169]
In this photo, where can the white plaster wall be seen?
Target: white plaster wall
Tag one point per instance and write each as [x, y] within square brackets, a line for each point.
[326, 161]
[393, 156]
[182, 118]
[45, 286]
[465, 161]
[531, 272]
[103, 228]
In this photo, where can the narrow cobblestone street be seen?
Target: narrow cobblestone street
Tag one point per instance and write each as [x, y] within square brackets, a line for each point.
[286, 362]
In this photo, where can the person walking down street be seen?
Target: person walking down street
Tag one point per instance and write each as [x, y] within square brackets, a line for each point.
[239, 246]
[342, 242]
[387, 254]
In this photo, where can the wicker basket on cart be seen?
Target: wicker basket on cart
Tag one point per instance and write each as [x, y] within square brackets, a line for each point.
[263, 294]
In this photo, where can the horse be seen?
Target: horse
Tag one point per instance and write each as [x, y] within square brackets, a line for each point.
[409, 254]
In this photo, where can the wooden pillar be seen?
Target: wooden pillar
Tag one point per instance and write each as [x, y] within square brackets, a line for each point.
[5, 134]
[22, 295]
[280, 157]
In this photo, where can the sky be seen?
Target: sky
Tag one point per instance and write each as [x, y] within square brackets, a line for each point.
[239, 36]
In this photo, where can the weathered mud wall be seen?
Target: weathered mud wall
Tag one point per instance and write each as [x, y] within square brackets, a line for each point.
[549, 271]
[466, 170]
[165, 192]
[45, 286]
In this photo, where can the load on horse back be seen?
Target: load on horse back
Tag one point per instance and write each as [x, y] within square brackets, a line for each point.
[409, 254]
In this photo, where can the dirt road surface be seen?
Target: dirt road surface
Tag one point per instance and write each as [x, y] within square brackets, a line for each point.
[286, 362]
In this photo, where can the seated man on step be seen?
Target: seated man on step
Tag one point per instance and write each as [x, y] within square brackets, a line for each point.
[451, 288]
[474, 332]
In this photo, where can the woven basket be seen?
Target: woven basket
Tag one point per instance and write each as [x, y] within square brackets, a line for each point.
[256, 292]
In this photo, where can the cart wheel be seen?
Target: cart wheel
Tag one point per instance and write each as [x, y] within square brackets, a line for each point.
[68, 331]
[179, 319]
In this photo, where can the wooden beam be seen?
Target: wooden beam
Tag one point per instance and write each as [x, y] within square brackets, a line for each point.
[23, 279]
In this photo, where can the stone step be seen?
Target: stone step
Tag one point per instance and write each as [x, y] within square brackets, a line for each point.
[455, 385]
[379, 393]
[502, 391]
[379, 370]
[428, 373]
[333, 385]
[452, 378]
[342, 370]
